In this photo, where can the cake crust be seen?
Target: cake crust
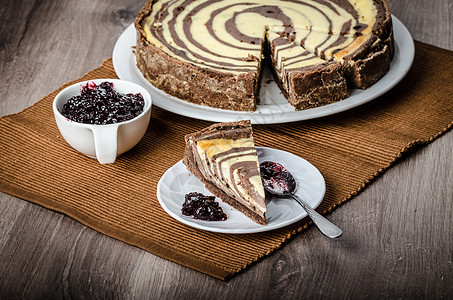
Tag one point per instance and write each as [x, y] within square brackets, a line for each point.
[316, 87]
[363, 73]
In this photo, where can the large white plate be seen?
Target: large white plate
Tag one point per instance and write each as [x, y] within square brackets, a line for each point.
[177, 182]
[274, 107]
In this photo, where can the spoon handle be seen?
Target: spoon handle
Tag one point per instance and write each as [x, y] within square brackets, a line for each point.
[324, 225]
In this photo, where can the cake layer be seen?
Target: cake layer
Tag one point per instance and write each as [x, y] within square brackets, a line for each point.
[224, 157]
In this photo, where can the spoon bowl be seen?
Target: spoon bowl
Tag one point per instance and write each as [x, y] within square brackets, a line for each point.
[278, 181]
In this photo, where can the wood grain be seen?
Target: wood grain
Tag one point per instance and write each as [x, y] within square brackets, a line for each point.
[397, 240]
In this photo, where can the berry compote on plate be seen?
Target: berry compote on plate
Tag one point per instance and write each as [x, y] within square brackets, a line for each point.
[202, 207]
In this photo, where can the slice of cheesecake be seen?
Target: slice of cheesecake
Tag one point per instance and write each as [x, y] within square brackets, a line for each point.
[224, 158]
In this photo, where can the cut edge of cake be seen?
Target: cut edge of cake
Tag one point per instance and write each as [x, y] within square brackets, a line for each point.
[307, 86]
[227, 130]
[364, 59]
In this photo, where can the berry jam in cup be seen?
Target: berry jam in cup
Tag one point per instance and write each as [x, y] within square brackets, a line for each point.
[101, 105]
[103, 118]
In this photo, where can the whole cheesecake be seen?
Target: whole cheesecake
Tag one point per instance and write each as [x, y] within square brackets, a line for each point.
[211, 52]
[224, 158]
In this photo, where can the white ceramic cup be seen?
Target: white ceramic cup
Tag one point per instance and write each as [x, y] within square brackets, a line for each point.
[104, 142]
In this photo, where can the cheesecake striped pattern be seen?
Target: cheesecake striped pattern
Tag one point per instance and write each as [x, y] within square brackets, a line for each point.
[211, 52]
[228, 35]
[225, 158]
[232, 165]
[288, 57]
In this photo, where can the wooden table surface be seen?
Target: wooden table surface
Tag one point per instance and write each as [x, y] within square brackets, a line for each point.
[397, 242]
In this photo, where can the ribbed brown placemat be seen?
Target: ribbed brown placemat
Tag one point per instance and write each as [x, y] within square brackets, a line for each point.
[350, 149]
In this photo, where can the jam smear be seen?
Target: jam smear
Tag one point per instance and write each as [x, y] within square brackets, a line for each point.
[101, 104]
[276, 177]
[202, 207]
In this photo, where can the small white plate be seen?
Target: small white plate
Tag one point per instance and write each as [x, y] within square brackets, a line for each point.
[274, 108]
[177, 182]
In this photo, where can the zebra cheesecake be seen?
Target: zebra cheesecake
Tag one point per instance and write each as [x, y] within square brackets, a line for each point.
[224, 158]
[211, 52]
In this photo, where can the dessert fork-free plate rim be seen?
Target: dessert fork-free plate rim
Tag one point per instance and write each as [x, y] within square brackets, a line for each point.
[275, 108]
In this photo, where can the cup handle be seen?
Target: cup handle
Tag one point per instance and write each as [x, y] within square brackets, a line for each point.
[106, 142]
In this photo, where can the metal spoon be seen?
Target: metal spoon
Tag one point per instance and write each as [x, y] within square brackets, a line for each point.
[279, 182]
